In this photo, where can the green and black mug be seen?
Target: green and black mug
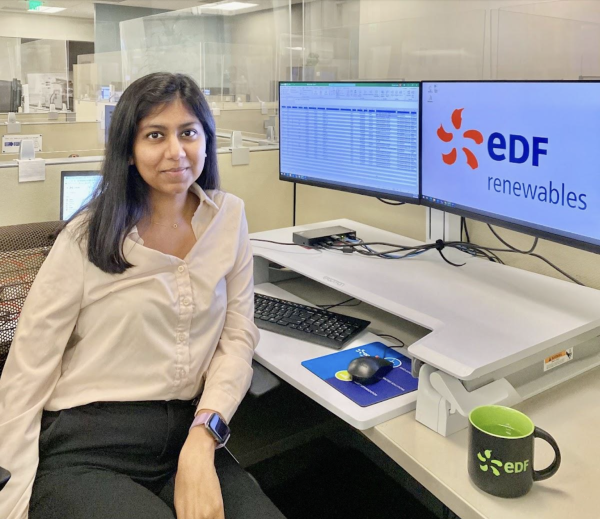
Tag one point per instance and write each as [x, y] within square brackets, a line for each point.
[501, 447]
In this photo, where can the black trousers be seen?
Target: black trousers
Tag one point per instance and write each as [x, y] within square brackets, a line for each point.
[117, 460]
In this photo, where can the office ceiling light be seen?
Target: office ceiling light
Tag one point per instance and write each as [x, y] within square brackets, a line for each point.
[46, 9]
[228, 6]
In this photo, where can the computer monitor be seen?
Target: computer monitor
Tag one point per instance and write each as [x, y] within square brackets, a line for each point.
[11, 93]
[520, 154]
[16, 95]
[361, 137]
[76, 188]
[108, 112]
[5, 96]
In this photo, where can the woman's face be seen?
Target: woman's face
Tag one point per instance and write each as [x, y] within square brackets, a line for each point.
[170, 149]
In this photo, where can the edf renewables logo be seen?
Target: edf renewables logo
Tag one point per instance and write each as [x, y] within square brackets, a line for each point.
[475, 135]
[515, 148]
[519, 148]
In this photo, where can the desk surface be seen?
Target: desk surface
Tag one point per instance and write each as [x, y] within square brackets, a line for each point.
[570, 412]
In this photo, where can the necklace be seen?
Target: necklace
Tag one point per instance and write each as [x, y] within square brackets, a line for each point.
[173, 226]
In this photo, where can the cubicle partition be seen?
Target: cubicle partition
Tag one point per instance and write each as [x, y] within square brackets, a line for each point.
[29, 202]
[268, 202]
[61, 137]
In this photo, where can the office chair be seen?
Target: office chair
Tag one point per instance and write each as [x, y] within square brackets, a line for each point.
[23, 249]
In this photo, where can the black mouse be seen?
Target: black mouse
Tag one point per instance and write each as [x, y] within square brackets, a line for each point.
[368, 370]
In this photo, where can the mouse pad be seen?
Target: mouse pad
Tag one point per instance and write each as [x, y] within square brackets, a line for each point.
[332, 369]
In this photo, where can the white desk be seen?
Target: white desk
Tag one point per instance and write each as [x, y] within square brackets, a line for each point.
[416, 291]
[570, 412]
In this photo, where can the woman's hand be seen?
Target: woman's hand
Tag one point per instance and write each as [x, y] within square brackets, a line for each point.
[197, 487]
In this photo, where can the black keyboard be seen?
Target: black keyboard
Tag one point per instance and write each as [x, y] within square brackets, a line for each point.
[306, 322]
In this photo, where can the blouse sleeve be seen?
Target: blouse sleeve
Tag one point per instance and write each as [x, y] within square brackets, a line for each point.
[230, 371]
[33, 367]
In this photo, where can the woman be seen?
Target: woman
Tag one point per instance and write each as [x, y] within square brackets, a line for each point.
[144, 303]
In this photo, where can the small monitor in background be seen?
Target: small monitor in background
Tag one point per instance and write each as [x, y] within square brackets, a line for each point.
[108, 111]
[5, 96]
[76, 188]
[105, 93]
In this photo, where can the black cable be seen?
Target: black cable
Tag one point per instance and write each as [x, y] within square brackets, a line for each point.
[440, 246]
[280, 243]
[390, 203]
[467, 247]
[343, 303]
[558, 269]
[294, 207]
[531, 253]
[463, 224]
[401, 345]
[533, 246]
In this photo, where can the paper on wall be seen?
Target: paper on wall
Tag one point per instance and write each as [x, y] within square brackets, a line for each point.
[32, 170]
[11, 143]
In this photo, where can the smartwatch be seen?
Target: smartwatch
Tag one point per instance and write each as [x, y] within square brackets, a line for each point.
[215, 425]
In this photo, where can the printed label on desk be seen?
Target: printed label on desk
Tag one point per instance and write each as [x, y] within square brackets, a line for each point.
[558, 359]
[333, 370]
[11, 143]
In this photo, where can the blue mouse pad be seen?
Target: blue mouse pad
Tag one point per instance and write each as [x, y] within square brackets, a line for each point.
[332, 369]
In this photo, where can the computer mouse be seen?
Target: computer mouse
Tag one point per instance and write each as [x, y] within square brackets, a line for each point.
[368, 370]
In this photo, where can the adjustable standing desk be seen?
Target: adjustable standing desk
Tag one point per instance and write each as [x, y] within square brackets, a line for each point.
[484, 317]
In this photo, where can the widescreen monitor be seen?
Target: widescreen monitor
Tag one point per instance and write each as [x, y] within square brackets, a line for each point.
[76, 188]
[361, 137]
[521, 154]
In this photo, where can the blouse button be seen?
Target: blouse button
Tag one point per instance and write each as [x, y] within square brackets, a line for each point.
[181, 268]
[186, 302]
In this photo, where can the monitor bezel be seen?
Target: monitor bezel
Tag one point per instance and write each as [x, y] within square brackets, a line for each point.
[349, 189]
[499, 220]
[63, 175]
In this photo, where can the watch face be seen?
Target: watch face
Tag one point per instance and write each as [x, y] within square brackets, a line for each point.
[219, 428]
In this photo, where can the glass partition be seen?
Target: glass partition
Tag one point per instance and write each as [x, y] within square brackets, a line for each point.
[531, 46]
[448, 47]
[232, 56]
[44, 68]
[10, 70]
[10, 59]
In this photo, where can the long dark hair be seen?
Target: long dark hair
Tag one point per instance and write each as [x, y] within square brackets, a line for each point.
[122, 197]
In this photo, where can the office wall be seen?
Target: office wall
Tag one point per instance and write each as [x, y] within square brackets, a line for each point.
[65, 137]
[519, 38]
[30, 202]
[29, 25]
[40, 117]
[249, 120]
[315, 204]
[268, 201]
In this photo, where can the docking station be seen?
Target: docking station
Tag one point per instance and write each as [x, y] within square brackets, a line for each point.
[315, 236]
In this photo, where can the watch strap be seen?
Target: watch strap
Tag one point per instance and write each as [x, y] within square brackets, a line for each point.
[203, 419]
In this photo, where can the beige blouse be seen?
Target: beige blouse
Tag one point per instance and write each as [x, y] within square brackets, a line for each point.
[164, 329]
